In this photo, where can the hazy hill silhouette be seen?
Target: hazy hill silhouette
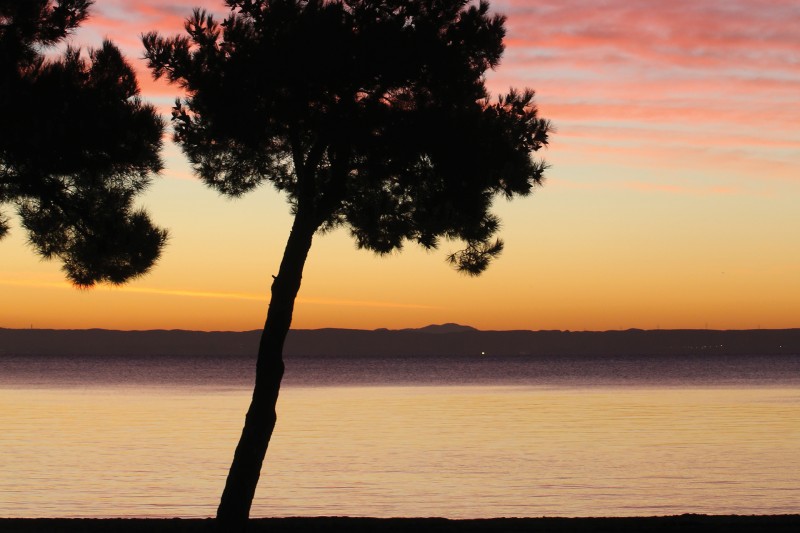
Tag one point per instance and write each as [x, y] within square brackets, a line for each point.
[434, 340]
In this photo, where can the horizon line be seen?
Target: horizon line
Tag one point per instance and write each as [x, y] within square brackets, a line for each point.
[464, 329]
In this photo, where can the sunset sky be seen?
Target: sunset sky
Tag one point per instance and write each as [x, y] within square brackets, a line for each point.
[672, 201]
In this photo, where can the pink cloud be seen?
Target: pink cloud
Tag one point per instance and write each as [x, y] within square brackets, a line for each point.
[710, 83]
[635, 41]
[124, 22]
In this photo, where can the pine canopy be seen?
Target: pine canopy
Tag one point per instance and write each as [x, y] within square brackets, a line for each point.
[372, 115]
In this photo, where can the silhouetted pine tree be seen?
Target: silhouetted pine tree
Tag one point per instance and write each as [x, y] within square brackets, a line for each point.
[370, 115]
[76, 146]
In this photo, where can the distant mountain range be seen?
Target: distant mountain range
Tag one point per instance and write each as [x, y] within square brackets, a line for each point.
[434, 340]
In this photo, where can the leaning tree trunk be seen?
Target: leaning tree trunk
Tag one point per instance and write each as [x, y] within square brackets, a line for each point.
[240, 487]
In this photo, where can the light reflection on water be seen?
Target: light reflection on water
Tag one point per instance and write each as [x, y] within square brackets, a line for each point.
[454, 451]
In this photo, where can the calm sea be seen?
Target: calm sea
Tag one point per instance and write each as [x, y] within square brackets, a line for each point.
[456, 437]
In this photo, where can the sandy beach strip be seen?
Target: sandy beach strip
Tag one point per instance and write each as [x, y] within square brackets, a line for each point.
[682, 523]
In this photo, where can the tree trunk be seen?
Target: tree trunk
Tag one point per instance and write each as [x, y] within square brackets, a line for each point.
[240, 487]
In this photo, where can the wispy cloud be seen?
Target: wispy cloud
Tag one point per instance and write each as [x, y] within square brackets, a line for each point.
[650, 187]
[222, 295]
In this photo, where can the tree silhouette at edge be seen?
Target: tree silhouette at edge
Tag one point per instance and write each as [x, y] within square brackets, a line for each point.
[77, 145]
[369, 115]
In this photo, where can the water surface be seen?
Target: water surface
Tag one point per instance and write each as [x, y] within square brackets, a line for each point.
[154, 439]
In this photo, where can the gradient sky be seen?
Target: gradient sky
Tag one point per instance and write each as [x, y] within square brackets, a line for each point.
[671, 201]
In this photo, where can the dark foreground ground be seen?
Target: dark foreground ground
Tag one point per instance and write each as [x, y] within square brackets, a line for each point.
[683, 523]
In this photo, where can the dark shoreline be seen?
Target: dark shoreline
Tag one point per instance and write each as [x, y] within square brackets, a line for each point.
[682, 523]
[446, 340]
